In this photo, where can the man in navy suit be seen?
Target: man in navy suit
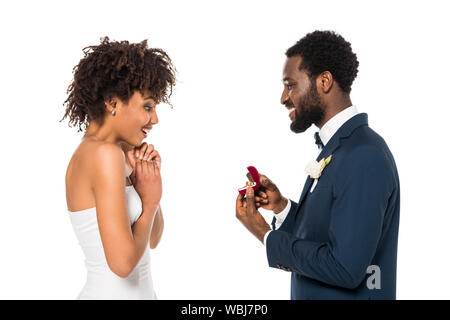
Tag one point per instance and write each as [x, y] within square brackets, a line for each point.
[339, 241]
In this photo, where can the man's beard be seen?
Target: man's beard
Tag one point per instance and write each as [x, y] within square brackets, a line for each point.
[312, 110]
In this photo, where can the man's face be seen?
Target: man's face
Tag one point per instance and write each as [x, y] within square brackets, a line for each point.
[300, 96]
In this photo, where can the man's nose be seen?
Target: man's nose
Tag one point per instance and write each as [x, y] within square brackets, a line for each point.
[284, 97]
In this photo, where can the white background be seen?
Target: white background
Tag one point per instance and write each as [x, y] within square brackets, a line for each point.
[226, 116]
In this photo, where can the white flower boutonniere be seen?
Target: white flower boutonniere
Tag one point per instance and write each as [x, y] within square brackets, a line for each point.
[314, 169]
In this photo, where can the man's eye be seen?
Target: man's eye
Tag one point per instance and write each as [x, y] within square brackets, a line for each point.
[148, 108]
[289, 86]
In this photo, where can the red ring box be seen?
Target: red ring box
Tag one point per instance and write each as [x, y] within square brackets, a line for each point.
[255, 176]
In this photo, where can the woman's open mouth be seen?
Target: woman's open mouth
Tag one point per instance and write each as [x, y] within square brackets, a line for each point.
[145, 131]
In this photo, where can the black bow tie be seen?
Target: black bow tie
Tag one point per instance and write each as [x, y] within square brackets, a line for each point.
[318, 141]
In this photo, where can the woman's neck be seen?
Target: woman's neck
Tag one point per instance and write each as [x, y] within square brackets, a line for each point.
[102, 133]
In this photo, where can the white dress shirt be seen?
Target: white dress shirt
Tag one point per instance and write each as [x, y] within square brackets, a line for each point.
[325, 133]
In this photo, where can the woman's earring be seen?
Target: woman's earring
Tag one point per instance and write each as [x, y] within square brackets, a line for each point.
[113, 112]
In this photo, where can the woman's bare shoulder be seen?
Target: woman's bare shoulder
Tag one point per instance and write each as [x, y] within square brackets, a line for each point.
[94, 151]
[92, 157]
[92, 163]
[104, 156]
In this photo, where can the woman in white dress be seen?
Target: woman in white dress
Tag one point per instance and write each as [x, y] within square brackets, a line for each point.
[113, 182]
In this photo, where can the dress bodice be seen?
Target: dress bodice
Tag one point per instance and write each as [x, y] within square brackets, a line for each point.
[101, 282]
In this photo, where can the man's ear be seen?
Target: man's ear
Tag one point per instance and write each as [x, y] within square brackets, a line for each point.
[324, 82]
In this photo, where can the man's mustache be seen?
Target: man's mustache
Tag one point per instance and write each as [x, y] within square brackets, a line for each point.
[288, 104]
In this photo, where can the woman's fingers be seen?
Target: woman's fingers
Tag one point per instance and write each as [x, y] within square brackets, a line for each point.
[137, 172]
[139, 166]
[151, 154]
[155, 167]
[154, 155]
[147, 169]
[141, 151]
[137, 152]
[147, 152]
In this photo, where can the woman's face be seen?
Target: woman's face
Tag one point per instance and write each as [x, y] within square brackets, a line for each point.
[136, 118]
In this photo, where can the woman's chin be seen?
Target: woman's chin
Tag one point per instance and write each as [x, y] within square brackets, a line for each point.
[133, 143]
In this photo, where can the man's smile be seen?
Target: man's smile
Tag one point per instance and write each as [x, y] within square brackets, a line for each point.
[291, 113]
[291, 109]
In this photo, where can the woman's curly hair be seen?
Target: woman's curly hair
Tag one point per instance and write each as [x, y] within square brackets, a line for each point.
[116, 69]
[327, 51]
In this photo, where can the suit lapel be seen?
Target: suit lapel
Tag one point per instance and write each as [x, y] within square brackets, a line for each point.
[329, 149]
[306, 187]
[344, 131]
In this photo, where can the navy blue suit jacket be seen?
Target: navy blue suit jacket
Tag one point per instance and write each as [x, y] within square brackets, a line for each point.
[349, 222]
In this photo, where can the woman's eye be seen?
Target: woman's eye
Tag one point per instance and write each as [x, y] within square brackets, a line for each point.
[148, 108]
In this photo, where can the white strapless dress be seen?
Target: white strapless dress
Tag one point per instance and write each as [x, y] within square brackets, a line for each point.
[101, 282]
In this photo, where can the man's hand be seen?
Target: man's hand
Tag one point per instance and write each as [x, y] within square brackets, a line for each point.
[250, 217]
[268, 196]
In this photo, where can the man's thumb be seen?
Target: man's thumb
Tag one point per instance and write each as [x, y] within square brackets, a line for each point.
[250, 194]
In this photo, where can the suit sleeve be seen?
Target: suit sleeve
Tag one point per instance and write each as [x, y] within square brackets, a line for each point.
[364, 184]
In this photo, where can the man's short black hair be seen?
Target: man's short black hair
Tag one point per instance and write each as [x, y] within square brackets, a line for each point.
[327, 51]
